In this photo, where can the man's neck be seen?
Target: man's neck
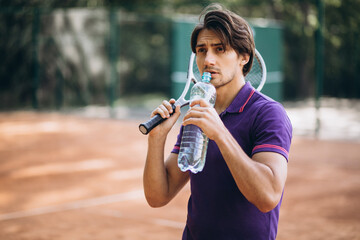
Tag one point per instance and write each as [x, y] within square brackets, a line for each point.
[226, 94]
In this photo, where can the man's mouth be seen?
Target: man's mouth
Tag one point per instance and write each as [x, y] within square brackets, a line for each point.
[212, 72]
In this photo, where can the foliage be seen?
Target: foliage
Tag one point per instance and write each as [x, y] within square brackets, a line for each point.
[33, 51]
[342, 48]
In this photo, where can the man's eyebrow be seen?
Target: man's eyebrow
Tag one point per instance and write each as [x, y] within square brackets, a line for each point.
[212, 45]
[217, 44]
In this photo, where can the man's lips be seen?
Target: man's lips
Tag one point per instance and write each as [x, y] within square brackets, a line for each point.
[212, 71]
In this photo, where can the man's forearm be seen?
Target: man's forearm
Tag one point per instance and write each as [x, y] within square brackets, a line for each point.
[261, 179]
[155, 177]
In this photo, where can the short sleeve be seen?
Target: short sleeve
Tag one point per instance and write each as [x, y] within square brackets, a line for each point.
[272, 130]
[176, 148]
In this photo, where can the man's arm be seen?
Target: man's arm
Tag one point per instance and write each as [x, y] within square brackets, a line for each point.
[162, 180]
[260, 179]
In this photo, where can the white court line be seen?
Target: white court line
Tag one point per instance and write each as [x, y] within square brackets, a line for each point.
[135, 217]
[92, 202]
[169, 223]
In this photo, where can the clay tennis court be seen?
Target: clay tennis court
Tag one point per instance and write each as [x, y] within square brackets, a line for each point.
[71, 177]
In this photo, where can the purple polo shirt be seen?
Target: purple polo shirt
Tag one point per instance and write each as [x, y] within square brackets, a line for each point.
[216, 208]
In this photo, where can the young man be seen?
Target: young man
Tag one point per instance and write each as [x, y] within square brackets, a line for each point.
[238, 194]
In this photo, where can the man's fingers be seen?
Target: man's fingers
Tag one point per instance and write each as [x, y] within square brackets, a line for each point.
[168, 106]
[200, 102]
[165, 109]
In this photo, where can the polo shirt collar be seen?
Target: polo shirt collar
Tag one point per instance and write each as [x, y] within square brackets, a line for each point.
[241, 99]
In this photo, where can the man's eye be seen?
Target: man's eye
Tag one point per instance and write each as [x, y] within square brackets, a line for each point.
[201, 50]
[220, 49]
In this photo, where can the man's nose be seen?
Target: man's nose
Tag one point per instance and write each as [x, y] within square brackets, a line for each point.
[209, 59]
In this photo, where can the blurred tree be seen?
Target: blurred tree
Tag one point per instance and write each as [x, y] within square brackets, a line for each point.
[342, 48]
[15, 47]
[145, 54]
[147, 42]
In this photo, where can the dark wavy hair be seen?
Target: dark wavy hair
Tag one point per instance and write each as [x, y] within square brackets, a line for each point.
[232, 30]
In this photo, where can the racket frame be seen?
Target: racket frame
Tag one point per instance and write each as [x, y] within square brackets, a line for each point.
[146, 127]
[263, 69]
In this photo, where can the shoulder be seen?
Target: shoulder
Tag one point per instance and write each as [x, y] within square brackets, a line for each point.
[260, 99]
[271, 129]
[266, 106]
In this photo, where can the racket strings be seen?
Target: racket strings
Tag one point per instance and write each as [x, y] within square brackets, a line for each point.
[255, 76]
[196, 71]
[256, 73]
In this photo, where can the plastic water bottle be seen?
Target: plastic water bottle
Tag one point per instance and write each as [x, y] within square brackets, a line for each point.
[194, 142]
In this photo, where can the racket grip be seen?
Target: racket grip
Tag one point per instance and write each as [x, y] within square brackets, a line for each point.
[146, 127]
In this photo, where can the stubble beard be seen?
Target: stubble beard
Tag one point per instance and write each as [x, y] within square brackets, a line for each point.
[224, 80]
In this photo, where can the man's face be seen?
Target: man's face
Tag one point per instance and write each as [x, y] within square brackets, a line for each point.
[211, 57]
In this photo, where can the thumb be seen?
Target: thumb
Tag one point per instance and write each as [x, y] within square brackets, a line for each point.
[177, 112]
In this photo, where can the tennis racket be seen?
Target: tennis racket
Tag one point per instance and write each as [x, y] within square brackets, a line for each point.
[256, 76]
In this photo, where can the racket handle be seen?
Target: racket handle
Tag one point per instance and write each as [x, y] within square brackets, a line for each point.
[146, 127]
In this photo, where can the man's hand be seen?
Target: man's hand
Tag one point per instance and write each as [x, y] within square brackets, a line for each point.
[164, 110]
[203, 115]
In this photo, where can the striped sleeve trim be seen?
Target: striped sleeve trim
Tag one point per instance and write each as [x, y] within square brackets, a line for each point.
[176, 149]
[270, 146]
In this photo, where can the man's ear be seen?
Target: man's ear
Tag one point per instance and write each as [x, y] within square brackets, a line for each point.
[244, 59]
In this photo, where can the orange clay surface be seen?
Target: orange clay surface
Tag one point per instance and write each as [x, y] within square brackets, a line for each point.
[67, 177]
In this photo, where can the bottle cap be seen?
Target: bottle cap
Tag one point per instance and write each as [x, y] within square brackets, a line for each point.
[206, 77]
